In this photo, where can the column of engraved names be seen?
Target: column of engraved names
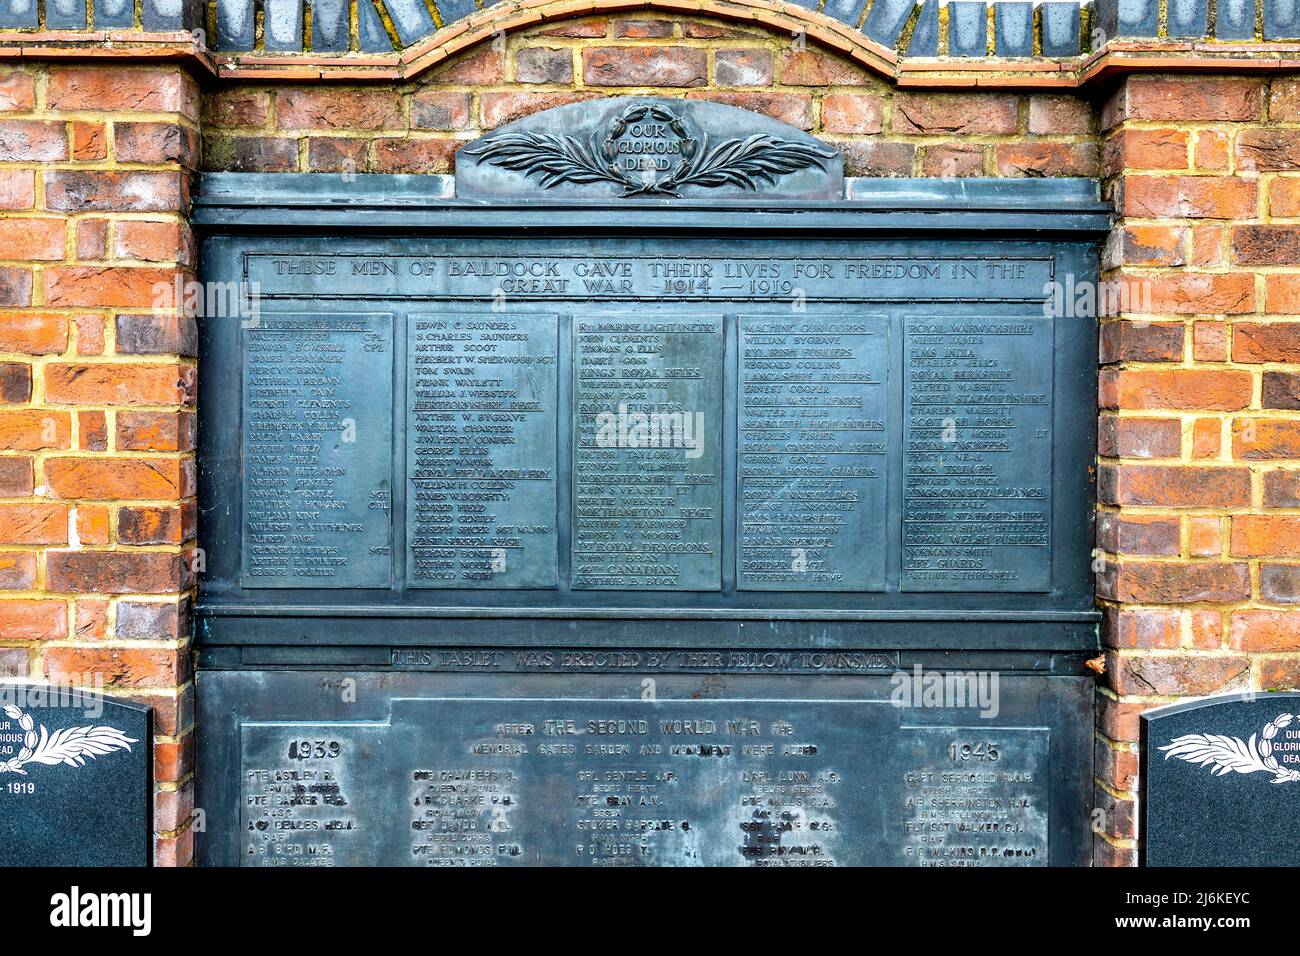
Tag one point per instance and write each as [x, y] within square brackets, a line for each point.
[640, 784]
[300, 798]
[317, 393]
[646, 453]
[718, 783]
[481, 450]
[811, 447]
[461, 815]
[979, 798]
[977, 454]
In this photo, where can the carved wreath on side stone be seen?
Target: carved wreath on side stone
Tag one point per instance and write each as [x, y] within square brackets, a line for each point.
[559, 159]
[1232, 754]
[71, 745]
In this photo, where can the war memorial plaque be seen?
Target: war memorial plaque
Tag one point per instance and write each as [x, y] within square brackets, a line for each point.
[1219, 775]
[977, 466]
[594, 781]
[589, 511]
[76, 781]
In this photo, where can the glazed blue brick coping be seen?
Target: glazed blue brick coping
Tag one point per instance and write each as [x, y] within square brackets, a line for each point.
[113, 14]
[283, 25]
[925, 35]
[914, 28]
[18, 15]
[65, 14]
[157, 16]
[1015, 29]
[968, 28]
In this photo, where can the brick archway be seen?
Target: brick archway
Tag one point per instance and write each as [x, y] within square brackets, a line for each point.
[469, 32]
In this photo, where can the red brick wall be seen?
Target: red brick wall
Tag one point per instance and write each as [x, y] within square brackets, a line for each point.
[1199, 472]
[97, 376]
[417, 127]
[1199, 524]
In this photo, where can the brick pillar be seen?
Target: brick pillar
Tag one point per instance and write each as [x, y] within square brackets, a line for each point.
[97, 376]
[1198, 529]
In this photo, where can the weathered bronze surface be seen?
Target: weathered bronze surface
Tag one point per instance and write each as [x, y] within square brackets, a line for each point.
[712, 432]
[353, 768]
[627, 507]
[316, 401]
[649, 146]
[480, 450]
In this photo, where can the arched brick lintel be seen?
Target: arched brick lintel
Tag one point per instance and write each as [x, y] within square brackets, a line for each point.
[1117, 58]
[481, 27]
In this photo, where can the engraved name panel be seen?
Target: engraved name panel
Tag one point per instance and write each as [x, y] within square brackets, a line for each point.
[317, 451]
[812, 448]
[647, 458]
[975, 797]
[481, 433]
[303, 801]
[977, 456]
[492, 782]
[901, 433]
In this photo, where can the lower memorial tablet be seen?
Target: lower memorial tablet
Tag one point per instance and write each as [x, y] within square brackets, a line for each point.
[617, 782]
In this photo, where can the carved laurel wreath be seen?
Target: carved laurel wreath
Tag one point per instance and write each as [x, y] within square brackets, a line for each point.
[70, 746]
[559, 159]
[1232, 754]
